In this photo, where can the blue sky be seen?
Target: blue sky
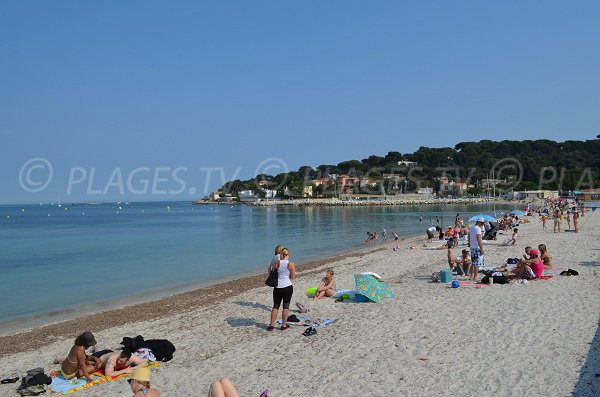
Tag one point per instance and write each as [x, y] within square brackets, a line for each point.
[131, 100]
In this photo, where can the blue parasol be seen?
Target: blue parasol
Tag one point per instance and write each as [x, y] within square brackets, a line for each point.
[485, 218]
[518, 212]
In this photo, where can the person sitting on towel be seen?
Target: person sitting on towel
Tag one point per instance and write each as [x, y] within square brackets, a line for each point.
[327, 286]
[76, 363]
[530, 269]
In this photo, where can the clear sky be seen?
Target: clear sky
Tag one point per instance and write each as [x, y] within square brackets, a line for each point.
[128, 100]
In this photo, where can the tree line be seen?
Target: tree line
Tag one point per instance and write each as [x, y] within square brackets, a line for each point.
[516, 165]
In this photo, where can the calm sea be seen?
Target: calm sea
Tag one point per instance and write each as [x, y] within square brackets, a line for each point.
[57, 262]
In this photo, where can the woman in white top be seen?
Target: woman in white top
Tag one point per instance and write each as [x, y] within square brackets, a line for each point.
[286, 272]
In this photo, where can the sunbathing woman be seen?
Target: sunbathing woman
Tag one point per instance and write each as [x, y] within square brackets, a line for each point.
[545, 256]
[327, 286]
[75, 364]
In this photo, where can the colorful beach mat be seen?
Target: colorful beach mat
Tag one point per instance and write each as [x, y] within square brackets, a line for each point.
[67, 386]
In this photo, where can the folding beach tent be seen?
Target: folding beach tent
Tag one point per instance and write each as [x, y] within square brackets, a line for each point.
[372, 287]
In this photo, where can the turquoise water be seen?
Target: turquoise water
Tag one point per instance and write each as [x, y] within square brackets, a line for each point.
[55, 259]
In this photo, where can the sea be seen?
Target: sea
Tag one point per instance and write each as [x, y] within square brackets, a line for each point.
[62, 261]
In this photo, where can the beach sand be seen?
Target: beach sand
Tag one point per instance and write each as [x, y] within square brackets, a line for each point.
[535, 339]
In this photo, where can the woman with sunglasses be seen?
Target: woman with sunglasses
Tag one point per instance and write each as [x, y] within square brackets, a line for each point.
[140, 384]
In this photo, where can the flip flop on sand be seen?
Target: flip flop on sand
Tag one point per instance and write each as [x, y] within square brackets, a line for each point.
[9, 380]
[309, 331]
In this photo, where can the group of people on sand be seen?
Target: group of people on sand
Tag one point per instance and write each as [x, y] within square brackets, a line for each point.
[531, 266]
[77, 364]
[559, 211]
[282, 294]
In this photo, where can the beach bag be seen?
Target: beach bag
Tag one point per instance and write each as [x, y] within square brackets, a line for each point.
[34, 383]
[272, 280]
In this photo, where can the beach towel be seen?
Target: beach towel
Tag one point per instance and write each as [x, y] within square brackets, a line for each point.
[67, 386]
[311, 322]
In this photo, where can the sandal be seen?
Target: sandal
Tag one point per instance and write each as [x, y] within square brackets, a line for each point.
[574, 272]
[9, 380]
[270, 328]
[285, 327]
[309, 331]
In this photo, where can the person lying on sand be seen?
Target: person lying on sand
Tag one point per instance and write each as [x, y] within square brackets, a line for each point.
[120, 363]
[327, 286]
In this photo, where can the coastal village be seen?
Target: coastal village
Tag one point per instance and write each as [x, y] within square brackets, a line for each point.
[389, 188]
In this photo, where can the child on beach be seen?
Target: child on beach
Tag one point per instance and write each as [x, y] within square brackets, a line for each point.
[327, 286]
[396, 237]
[513, 238]
[543, 220]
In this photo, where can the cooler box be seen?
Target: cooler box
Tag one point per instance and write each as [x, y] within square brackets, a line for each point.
[445, 276]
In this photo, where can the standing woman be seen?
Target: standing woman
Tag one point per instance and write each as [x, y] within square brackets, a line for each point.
[569, 219]
[286, 272]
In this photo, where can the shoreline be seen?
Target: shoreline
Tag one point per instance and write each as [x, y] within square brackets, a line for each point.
[153, 307]
[366, 202]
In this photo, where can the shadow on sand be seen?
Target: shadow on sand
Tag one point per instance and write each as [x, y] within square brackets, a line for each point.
[589, 375]
[589, 264]
[238, 322]
[253, 304]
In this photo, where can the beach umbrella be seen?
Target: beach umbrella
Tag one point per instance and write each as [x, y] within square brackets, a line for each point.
[485, 218]
[372, 287]
[518, 212]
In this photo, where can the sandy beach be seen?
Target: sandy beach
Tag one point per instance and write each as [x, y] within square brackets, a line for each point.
[535, 339]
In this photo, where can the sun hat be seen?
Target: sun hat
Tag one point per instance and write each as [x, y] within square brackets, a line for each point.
[481, 220]
[141, 374]
[88, 338]
[534, 252]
